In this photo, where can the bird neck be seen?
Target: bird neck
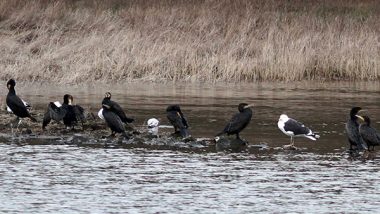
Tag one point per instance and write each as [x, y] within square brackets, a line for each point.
[12, 90]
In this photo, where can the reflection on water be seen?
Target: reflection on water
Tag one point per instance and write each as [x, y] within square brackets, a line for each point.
[53, 178]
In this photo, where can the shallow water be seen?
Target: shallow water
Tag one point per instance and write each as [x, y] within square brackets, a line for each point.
[318, 178]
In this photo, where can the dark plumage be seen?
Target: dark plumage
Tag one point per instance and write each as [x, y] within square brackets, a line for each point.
[239, 121]
[178, 120]
[114, 121]
[16, 104]
[69, 113]
[369, 134]
[114, 116]
[352, 130]
[115, 108]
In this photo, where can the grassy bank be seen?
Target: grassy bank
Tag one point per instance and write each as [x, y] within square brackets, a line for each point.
[191, 40]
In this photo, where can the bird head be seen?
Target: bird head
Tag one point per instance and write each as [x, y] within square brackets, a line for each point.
[68, 99]
[243, 106]
[173, 108]
[152, 123]
[354, 111]
[11, 83]
[107, 95]
[283, 118]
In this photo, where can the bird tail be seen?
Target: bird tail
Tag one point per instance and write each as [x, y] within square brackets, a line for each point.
[312, 135]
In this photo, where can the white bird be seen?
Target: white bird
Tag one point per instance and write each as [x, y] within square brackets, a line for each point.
[294, 128]
[28, 107]
[153, 125]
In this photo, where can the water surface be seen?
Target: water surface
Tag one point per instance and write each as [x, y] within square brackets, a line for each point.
[318, 178]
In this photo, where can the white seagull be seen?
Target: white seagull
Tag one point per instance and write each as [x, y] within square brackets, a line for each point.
[293, 128]
[153, 125]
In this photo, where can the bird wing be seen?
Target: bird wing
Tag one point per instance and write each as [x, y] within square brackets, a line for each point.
[370, 134]
[237, 122]
[79, 113]
[353, 134]
[57, 113]
[296, 127]
[175, 119]
[116, 108]
[46, 119]
[184, 120]
[179, 122]
[113, 121]
[17, 105]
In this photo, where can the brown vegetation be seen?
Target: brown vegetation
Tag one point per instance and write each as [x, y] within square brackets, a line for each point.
[190, 40]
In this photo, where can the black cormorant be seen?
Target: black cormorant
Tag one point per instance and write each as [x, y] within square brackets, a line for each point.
[114, 121]
[239, 121]
[178, 120]
[293, 128]
[69, 113]
[114, 116]
[352, 130]
[27, 105]
[369, 134]
[115, 108]
[16, 104]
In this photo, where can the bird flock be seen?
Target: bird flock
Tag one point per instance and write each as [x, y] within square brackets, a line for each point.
[361, 136]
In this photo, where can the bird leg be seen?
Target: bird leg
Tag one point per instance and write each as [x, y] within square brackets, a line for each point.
[19, 122]
[12, 128]
[238, 136]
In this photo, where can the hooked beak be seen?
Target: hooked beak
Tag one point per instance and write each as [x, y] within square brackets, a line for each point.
[8, 86]
[249, 106]
[360, 117]
[179, 114]
[106, 106]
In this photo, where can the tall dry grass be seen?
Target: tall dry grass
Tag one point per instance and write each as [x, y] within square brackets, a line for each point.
[190, 40]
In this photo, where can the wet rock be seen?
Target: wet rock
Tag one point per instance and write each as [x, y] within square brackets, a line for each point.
[289, 147]
[225, 143]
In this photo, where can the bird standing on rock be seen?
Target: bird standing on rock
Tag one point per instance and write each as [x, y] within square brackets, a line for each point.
[352, 130]
[239, 121]
[68, 112]
[178, 120]
[369, 134]
[16, 104]
[114, 116]
[293, 128]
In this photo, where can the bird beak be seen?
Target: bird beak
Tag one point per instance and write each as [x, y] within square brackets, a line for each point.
[360, 117]
[8, 86]
[249, 106]
[106, 106]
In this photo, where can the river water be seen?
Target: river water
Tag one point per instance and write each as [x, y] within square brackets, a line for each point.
[320, 177]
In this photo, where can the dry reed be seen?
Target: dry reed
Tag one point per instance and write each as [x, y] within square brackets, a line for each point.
[189, 40]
